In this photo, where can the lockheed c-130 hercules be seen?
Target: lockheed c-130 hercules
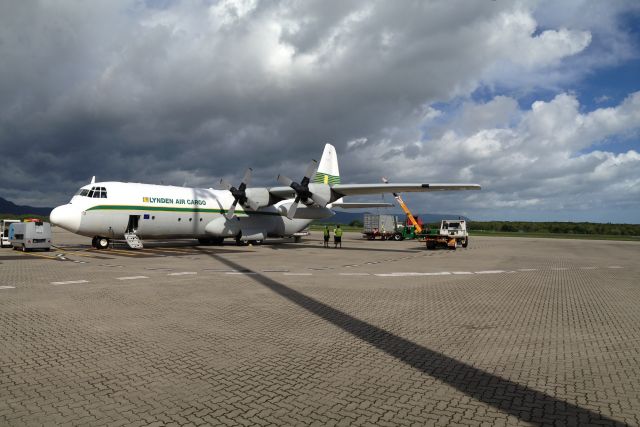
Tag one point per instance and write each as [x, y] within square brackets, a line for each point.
[115, 210]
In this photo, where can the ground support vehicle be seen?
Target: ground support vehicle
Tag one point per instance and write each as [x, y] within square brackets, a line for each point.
[4, 232]
[30, 235]
[451, 234]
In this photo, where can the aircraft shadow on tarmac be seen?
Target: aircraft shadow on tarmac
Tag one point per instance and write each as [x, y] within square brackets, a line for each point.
[518, 400]
[289, 246]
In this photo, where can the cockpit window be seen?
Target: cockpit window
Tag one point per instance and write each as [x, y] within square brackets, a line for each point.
[95, 192]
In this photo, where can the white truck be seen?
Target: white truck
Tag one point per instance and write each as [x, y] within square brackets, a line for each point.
[4, 232]
[30, 235]
[452, 234]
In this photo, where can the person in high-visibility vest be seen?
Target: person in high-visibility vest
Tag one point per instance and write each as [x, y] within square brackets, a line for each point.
[326, 236]
[337, 236]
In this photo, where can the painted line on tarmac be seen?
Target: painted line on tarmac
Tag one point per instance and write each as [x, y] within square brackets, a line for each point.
[7, 287]
[54, 258]
[461, 272]
[614, 266]
[182, 273]
[241, 272]
[527, 269]
[490, 272]
[412, 274]
[298, 274]
[69, 282]
[276, 270]
[355, 274]
[132, 277]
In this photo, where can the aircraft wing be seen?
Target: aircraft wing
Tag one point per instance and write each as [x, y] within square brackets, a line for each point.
[362, 189]
[355, 205]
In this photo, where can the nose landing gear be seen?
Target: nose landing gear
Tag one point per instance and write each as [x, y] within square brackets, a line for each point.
[99, 242]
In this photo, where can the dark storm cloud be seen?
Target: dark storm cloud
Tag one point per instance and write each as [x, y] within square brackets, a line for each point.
[191, 91]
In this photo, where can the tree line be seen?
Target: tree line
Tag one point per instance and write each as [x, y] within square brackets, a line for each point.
[555, 227]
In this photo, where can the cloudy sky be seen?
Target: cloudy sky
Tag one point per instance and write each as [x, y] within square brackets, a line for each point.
[537, 101]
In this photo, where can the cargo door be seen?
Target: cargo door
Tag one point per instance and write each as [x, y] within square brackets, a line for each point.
[132, 226]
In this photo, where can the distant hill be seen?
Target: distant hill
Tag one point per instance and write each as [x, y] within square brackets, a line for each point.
[342, 217]
[7, 207]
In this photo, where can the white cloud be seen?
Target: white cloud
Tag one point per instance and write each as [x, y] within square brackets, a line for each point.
[536, 162]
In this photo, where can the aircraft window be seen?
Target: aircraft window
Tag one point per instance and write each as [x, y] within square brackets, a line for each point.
[83, 192]
[90, 194]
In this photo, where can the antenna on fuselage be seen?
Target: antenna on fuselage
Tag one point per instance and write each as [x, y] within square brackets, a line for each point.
[93, 180]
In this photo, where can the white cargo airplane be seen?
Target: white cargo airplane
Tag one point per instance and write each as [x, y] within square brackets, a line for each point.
[116, 210]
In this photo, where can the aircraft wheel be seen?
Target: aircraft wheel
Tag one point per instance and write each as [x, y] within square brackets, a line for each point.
[397, 237]
[102, 243]
[93, 242]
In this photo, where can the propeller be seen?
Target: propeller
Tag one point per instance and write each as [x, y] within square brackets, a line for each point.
[301, 188]
[239, 194]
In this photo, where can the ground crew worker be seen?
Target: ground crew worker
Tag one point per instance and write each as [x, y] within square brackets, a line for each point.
[326, 236]
[337, 236]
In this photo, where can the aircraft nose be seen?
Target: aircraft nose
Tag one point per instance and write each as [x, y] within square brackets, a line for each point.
[67, 217]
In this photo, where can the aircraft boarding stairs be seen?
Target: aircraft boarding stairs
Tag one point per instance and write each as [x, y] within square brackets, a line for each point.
[133, 240]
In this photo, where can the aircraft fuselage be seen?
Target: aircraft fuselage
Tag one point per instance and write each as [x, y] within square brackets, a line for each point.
[160, 211]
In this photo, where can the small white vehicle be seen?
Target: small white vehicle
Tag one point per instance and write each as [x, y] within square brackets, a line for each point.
[4, 232]
[452, 233]
[30, 235]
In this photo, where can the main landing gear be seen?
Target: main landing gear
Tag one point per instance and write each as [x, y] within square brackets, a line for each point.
[99, 242]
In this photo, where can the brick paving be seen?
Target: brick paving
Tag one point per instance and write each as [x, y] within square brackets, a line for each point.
[536, 332]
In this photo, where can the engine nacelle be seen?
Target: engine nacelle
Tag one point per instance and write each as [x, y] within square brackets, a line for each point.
[259, 197]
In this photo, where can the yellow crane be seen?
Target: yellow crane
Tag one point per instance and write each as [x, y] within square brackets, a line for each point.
[406, 210]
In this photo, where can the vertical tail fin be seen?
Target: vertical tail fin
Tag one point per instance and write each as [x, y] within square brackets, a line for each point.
[328, 172]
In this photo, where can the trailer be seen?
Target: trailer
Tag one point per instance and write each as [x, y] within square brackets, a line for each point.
[30, 235]
[451, 234]
[4, 232]
[383, 227]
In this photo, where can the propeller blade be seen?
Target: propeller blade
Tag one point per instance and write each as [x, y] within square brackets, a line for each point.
[232, 210]
[311, 168]
[246, 180]
[285, 180]
[292, 209]
[225, 184]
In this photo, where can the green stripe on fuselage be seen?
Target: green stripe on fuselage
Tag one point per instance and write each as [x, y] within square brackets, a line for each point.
[172, 209]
